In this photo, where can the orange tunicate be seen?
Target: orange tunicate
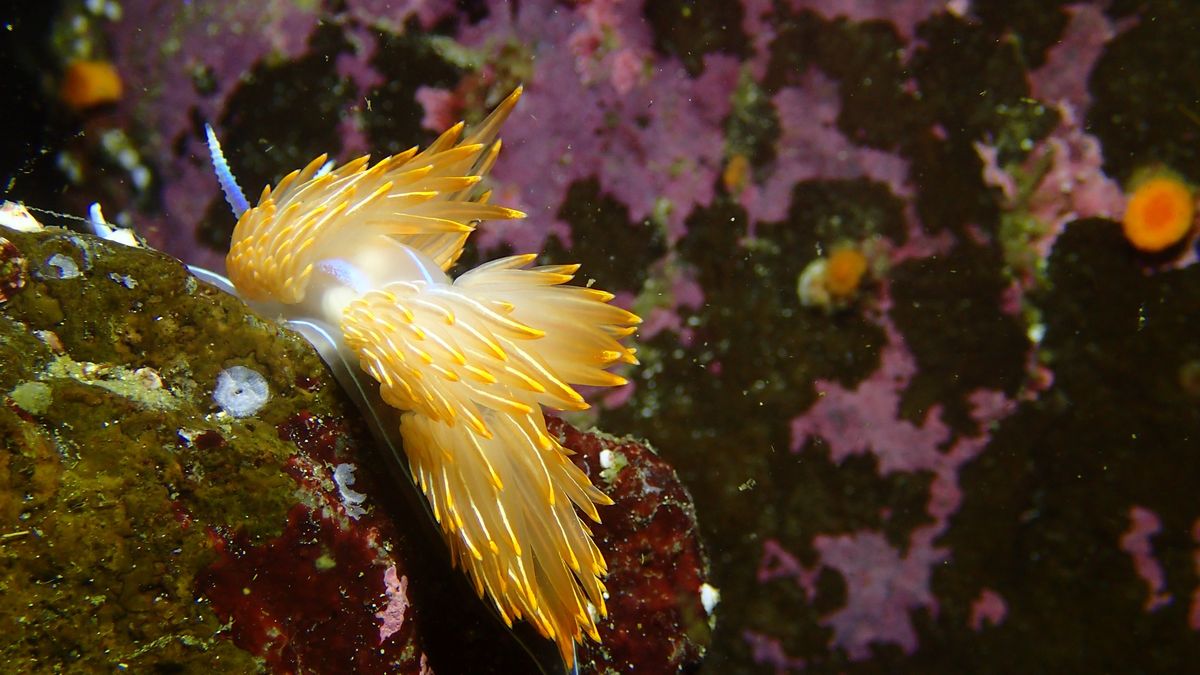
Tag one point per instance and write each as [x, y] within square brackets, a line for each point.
[1159, 213]
[736, 174]
[87, 84]
[844, 271]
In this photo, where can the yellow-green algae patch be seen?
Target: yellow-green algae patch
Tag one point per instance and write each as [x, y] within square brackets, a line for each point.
[142, 386]
[116, 465]
[32, 397]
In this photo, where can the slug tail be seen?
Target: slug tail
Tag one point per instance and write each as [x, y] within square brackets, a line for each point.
[475, 363]
[506, 504]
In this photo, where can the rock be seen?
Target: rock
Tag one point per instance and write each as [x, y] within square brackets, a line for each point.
[656, 568]
[146, 527]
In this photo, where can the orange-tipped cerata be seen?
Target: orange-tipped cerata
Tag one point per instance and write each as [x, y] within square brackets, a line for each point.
[472, 362]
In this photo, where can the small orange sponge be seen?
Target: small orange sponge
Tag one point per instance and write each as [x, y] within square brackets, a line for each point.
[1159, 213]
[736, 174]
[90, 83]
[844, 271]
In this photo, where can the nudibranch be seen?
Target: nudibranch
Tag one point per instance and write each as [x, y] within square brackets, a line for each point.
[472, 361]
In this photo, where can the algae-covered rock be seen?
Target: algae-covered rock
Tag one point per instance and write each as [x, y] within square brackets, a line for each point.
[142, 526]
[661, 606]
[184, 489]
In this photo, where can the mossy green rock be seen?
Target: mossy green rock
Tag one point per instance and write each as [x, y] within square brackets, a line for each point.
[116, 465]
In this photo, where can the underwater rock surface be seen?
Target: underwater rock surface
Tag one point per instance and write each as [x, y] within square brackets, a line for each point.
[657, 571]
[146, 526]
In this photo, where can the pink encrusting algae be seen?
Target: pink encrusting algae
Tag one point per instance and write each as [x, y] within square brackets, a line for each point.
[1143, 525]
[811, 147]
[1194, 611]
[1072, 183]
[1083, 41]
[768, 651]
[219, 43]
[989, 608]
[883, 587]
[169, 97]
[905, 16]
[674, 156]
[884, 584]
[756, 23]
[392, 15]
[392, 615]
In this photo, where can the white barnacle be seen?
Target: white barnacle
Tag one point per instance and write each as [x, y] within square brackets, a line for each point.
[710, 596]
[241, 392]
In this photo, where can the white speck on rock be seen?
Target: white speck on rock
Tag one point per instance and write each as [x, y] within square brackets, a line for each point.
[709, 597]
[123, 279]
[148, 378]
[240, 391]
[62, 267]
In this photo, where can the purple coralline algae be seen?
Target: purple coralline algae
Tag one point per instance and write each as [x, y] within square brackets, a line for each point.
[1067, 183]
[811, 146]
[185, 60]
[1063, 77]
[1143, 525]
[884, 584]
[584, 68]
[905, 16]
[1194, 612]
[391, 15]
[1060, 180]
[989, 608]
[392, 614]
[593, 67]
